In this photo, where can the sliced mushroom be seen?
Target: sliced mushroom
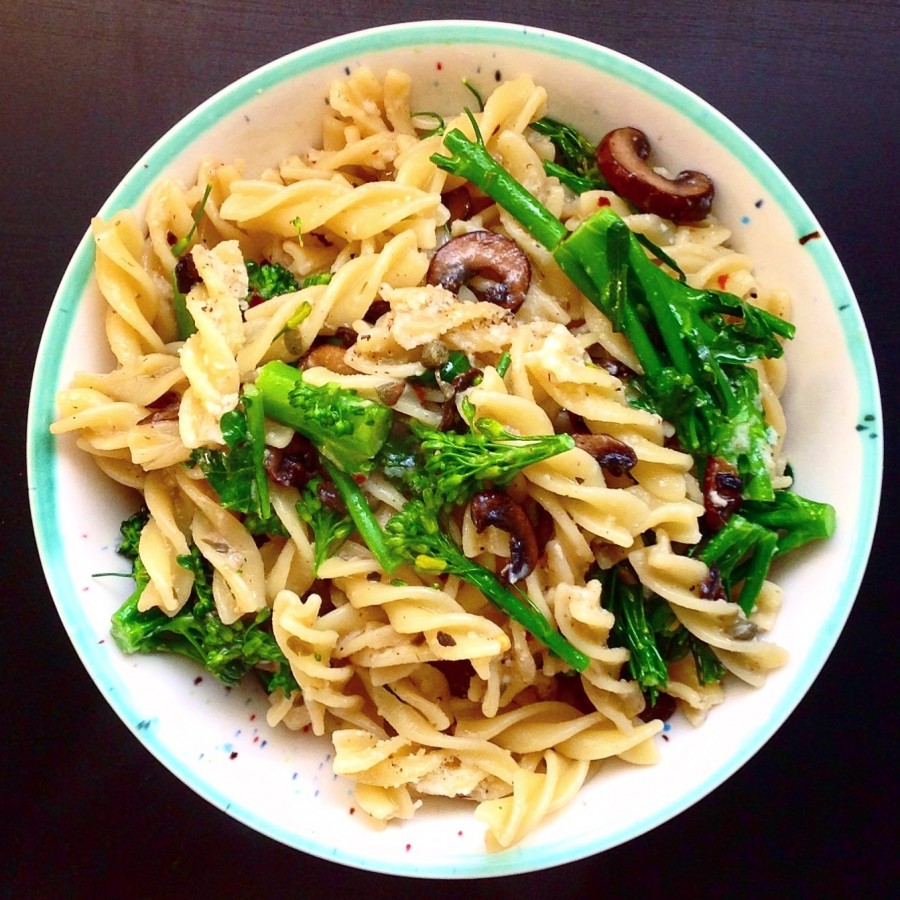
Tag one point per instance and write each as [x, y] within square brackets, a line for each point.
[164, 409]
[294, 465]
[497, 508]
[461, 204]
[330, 356]
[497, 268]
[622, 158]
[722, 487]
[613, 455]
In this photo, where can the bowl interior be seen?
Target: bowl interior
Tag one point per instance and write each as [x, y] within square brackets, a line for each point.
[280, 783]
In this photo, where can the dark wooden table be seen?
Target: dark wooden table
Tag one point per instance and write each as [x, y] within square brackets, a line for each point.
[86, 86]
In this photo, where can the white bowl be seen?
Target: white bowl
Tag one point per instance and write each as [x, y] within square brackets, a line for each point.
[280, 782]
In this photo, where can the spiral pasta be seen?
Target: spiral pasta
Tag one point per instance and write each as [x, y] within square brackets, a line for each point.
[422, 685]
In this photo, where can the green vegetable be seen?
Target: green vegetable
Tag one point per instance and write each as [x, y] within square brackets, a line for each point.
[575, 153]
[624, 598]
[743, 550]
[415, 535]
[196, 631]
[346, 428]
[653, 636]
[131, 530]
[363, 518]
[692, 344]
[330, 528]
[316, 278]
[435, 117]
[475, 93]
[269, 280]
[454, 466]
[238, 473]
[675, 641]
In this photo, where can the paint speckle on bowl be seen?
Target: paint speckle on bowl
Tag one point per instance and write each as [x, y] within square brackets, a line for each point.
[745, 220]
[810, 236]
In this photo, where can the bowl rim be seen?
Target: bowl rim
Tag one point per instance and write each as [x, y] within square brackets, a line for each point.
[42, 454]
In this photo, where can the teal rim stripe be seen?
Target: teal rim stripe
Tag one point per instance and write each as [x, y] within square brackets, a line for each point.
[43, 460]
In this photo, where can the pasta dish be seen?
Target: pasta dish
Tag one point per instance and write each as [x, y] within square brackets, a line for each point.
[462, 435]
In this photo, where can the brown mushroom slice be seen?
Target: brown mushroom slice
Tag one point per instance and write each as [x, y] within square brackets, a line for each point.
[294, 465]
[329, 356]
[614, 456]
[622, 158]
[499, 265]
[497, 508]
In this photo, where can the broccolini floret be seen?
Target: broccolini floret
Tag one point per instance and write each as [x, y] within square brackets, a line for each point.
[197, 632]
[330, 526]
[454, 467]
[238, 473]
[268, 280]
[346, 428]
[576, 160]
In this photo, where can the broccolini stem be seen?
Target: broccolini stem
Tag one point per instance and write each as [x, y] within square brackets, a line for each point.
[626, 603]
[471, 161]
[415, 535]
[256, 427]
[520, 609]
[362, 516]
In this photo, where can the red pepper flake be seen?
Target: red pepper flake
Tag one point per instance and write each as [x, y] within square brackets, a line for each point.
[440, 66]
[359, 479]
[810, 237]
[721, 281]
[602, 201]
[233, 754]
[252, 716]
[256, 739]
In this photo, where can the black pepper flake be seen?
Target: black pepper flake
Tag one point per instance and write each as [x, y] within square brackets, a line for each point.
[806, 238]
[498, 76]
[198, 679]
[346, 70]
[758, 203]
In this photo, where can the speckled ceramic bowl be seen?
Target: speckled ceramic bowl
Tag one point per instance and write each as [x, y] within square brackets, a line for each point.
[279, 782]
